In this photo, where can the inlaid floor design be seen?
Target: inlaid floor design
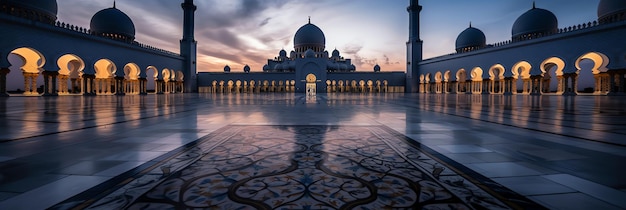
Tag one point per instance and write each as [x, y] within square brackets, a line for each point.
[301, 167]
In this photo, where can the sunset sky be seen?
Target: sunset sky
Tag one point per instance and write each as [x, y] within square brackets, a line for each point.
[239, 32]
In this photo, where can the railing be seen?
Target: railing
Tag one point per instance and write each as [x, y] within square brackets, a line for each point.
[89, 32]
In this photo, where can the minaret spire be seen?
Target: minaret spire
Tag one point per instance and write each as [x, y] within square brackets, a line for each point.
[188, 47]
[414, 47]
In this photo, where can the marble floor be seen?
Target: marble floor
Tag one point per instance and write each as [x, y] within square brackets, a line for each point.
[75, 152]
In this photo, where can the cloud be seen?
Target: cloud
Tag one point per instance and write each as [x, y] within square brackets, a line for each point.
[264, 22]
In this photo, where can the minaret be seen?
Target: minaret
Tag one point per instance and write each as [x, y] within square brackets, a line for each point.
[413, 47]
[188, 48]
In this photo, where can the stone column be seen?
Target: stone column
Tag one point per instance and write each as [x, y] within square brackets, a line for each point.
[88, 85]
[535, 84]
[3, 81]
[50, 83]
[119, 86]
[159, 86]
[143, 86]
[508, 86]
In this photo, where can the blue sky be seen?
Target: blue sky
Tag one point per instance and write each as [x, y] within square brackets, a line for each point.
[239, 32]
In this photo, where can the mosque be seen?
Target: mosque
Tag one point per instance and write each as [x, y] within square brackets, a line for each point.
[105, 59]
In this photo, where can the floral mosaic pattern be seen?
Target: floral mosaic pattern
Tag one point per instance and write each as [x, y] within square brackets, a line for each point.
[308, 167]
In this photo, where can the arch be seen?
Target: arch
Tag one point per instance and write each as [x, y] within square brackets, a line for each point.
[601, 78]
[71, 65]
[548, 63]
[461, 79]
[497, 83]
[558, 65]
[461, 75]
[438, 77]
[447, 75]
[438, 82]
[165, 73]
[522, 69]
[600, 61]
[131, 84]
[32, 60]
[477, 74]
[154, 75]
[70, 70]
[496, 72]
[105, 68]
[131, 71]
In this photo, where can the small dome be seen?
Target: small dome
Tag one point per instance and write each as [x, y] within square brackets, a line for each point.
[309, 36]
[611, 10]
[47, 9]
[266, 67]
[278, 67]
[246, 68]
[335, 53]
[352, 67]
[470, 39]
[309, 54]
[282, 53]
[533, 23]
[292, 66]
[226, 68]
[376, 68]
[110, 22]
[343, 67]
[292, 54]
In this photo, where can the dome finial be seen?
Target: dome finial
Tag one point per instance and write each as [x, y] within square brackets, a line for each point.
[533, 4]
[309, 19]
[470, 24]
[113, 3]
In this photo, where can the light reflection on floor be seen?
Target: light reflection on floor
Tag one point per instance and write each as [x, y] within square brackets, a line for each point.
[548, 148]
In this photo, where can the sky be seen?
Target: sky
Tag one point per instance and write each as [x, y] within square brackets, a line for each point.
[240, 32]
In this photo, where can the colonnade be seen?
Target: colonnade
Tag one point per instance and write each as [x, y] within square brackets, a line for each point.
[606, 83]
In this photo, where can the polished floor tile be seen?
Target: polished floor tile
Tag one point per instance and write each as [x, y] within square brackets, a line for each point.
[563, 147]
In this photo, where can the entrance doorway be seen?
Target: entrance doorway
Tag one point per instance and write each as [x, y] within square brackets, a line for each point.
[311, 86]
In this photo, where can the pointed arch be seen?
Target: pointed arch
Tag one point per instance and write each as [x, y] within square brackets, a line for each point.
[602, 83]
[496, 75]
[496, 72]
[521, 69]
[154, 75]
[548, 63]
[438, 76]
[105, 68]
[461, 75]
[599, 59]
[477, 74]
[70, 70]
[32, 60]
[131, 71]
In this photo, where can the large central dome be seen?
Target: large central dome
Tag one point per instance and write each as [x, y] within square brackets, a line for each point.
[309, 36]
[534, 23]
[113, 23]
[611, 10]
